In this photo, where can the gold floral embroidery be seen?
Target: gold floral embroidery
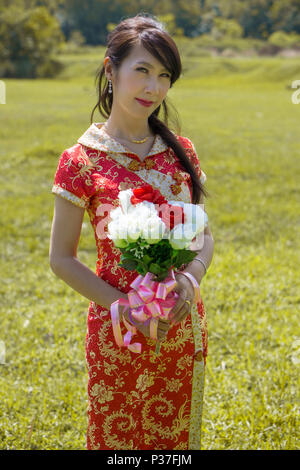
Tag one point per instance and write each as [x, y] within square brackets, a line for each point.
[173, 385]
[101, 392]
[183, 363]
[145, 380]
[175, 188]
[181, 423]
[123, 185]
[164, 407]
[177, 343]
[136, 165]
[125, 423]
[149, 164]
[170, 156]
[91, 433]
[109, 349]
[178, 176]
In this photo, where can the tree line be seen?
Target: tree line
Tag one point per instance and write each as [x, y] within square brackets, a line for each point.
[31, 30]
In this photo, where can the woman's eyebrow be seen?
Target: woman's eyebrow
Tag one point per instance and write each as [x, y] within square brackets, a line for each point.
[149, 65]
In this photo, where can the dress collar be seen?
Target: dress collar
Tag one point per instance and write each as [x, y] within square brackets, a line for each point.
[98, 139]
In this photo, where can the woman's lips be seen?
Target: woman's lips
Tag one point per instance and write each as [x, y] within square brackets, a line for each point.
[144, 103]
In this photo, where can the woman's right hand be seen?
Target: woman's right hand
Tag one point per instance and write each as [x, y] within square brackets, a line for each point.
[162, 327]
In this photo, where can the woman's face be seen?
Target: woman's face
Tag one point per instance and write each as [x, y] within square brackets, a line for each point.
[149, 82]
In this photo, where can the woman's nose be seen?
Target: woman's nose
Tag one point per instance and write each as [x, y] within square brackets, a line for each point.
[153, 86]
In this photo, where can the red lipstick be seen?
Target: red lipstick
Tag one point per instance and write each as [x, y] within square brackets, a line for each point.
[144, 103]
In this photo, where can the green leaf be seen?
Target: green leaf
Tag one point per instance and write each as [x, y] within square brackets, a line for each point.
[128, 256]
[184, 257]
[141, 270]
[167, 263]
[162, 276]
[155, 268]
[147, 259]
[129, 264]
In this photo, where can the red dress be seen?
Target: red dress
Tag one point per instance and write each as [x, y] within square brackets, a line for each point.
[136, 401]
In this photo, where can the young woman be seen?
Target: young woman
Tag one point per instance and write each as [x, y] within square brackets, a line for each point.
[136, 400]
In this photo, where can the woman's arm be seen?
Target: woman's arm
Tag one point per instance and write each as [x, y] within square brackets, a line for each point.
[206, 253]
[65, 234]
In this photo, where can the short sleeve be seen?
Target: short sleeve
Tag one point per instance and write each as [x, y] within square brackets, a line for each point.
[69, 181]
[192, 153]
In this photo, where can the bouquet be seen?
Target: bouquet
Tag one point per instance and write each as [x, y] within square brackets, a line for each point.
[154, 236]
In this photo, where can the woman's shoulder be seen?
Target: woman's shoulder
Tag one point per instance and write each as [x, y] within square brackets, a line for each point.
[186, 142]
[76, 155]
[192, 154]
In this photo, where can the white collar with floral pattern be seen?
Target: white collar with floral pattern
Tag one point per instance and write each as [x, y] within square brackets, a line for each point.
[98, 139]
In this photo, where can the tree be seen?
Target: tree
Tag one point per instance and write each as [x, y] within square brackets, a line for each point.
[27, 41]
[188, 16]
[258, 18]
[285, 15]
[169, 21]
[225, 27]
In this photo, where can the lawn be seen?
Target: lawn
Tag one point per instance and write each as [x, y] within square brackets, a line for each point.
[240, 116]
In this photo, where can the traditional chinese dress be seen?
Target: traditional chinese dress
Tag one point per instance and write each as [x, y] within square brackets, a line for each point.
[136, 400]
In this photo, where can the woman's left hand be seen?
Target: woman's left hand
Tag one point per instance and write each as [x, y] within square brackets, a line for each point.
[186, 292]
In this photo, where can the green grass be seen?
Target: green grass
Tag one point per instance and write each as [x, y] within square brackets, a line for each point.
[239, 114]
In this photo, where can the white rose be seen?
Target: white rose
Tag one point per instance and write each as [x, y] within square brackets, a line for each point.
[153, 229]
[181, 235]
[124, 197]
[118, 228]
[133, 227]
[116, 213]
[193, 214]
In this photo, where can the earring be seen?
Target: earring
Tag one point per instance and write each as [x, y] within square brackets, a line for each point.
[109, 86]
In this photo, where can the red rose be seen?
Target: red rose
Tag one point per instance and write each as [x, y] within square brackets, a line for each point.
[147, 193]
[170, 215]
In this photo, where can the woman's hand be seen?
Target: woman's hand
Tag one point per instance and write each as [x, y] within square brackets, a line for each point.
[178, 313]
[185, 290]
[163, 326]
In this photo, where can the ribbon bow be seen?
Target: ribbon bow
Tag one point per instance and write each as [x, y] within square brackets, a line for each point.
[148, 301]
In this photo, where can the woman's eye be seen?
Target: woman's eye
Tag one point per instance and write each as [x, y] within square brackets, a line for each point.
[143, 68]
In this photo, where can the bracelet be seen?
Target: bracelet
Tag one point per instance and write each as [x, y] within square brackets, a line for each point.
[194, 283]
[202, 262]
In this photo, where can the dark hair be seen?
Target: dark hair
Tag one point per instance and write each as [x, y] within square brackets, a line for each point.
[151, 34]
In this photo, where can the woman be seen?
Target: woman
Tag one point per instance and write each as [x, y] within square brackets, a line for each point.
[145, 400]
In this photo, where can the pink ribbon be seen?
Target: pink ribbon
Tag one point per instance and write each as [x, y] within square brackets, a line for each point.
[148, 301]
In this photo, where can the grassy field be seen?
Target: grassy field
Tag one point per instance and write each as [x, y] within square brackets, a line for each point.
[240, 116]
